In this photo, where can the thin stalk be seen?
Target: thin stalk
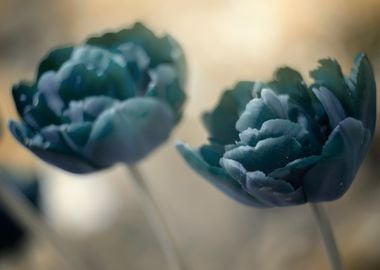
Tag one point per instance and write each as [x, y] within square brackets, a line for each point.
[157, 221]
[328, 236]
[20, 208]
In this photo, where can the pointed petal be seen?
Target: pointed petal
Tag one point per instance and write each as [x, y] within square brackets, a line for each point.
[363, 79]
[220, 122]
[216, 176]
[68, 162]
[128, 131]
[341, 157]
[329, 75]
[331, 105]
[54, 60]
[166, 87]
[272, 192]
[254, 115]
[267, 155]
[160, 49]
[23, 96]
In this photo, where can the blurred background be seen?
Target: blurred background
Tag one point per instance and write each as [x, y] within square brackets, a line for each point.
[225, 41]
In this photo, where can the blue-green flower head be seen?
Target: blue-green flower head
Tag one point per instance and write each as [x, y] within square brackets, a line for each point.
[285, 143]
[114, 98]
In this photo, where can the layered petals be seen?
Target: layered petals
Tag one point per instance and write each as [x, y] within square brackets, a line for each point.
[115, 98]
[292, 143]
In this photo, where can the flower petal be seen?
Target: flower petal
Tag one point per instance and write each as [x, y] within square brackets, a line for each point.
[23, 96]
[267, 155]
[216, 176]
[289, 82]
[329, 75]
[220, 122]
[38, 114]
[160, 50]
[254, 115]
[364, 82]
[166, 87]
[128, 131]
[272, 192]
[341, 157]
[331, 105]
[54, 60]
[88, 109]
[68, 162]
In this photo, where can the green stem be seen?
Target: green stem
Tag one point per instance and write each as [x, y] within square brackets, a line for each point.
[328, 236]
[157, 221]
[21, 209]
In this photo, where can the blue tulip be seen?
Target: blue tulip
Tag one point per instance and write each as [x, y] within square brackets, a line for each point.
[114, 98]
[285, 143]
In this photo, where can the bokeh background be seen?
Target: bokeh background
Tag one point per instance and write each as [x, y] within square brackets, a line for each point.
[225, 41]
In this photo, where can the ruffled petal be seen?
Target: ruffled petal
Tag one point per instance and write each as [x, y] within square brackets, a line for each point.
[267, 155]
[341, 157]
[128, 131]
[216, 176]
[88, 109]
[329, 75]
[331, 105]
[159, 49]
[289, 82]
[273, 192]
[254, 115]
[268, 191]
[220, 122]
[66, 161]
[363, 79]
[165, 86]
[23, 96]
[54, 60]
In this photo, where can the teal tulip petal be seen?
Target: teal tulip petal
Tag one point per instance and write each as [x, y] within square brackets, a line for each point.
[94, 71]
[254, 115]
[364, 84]
[88, 109]
[294, 171]
[272, 192]
[66, 161]
[23, 96]
[137, 63]
[274, 103]
[267, 191]
[76, 135]
[160, 50]
[54, 60]
[330, 76]
[216, 176]
[289, 82]
[341, 157]
[331, 105]
[267, 155]
[249, 136]
[220, 122]
[128, 131]
[38, 114]
[165, 86]
[212, 154]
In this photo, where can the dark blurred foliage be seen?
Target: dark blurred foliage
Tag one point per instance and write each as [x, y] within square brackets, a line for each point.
[12, 234]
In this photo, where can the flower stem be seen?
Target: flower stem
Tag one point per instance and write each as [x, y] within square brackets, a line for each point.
[328, 236]
[21, 209]
[157, 221]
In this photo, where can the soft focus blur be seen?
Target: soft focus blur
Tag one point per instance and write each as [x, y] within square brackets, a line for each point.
[225, 41]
